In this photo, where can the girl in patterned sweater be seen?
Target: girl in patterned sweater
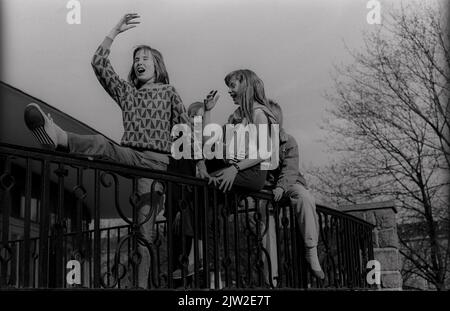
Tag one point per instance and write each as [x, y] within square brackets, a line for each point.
[150, 107]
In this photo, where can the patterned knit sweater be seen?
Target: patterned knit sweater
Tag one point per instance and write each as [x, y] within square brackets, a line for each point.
[148, 113]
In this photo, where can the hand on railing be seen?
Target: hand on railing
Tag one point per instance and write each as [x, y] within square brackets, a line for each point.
[277, 193]
[203, 172]
[226, 178]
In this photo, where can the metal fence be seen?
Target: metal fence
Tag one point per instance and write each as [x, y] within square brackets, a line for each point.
[59, 209]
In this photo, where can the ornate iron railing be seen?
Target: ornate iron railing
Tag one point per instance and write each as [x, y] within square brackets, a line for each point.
[57, 209]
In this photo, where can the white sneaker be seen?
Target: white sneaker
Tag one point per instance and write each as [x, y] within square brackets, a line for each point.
[42, 126]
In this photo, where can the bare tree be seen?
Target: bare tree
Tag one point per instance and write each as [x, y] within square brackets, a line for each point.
[390, 121]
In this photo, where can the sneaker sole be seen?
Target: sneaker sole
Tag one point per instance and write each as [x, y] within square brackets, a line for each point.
[35, 122]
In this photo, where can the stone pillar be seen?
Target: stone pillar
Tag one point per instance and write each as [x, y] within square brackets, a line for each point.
[385, 239]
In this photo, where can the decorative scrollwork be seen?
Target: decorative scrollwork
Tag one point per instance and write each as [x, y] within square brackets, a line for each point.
[79, 192]
[134, 259]
[116, 274]
[7, 181]
[183, 204]
[5, 253]
[107, 184]
[139, 201]
[152, 276]
[134, 199]
[285, 221]
[226, 262]
[147, 210]
[104, 181]
[255, 228]
[115, 268]
[77, 255]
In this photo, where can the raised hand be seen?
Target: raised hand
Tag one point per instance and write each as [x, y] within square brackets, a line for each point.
[211, 100]
[127, 22]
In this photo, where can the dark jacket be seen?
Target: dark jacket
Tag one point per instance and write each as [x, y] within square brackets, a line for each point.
[287, 173]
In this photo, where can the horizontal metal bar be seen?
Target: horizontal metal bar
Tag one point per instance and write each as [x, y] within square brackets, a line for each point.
[331, 211]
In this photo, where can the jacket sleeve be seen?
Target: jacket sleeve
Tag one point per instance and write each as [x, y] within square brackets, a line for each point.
[179, 115]
[108, 78]
[289, 167]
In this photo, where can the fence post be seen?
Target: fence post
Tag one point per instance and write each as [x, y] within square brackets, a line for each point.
[385, 239]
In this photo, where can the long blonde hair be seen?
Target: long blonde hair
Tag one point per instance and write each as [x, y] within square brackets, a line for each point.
[254, 90]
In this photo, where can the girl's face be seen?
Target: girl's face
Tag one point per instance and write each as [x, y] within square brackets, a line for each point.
[144, 67]
[236, 89]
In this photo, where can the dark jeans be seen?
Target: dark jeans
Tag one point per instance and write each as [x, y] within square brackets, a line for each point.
[252, 178]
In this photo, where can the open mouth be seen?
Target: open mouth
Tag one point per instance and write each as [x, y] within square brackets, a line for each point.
[140, 70]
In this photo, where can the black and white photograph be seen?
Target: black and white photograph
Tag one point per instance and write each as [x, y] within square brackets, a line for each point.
[224, 151]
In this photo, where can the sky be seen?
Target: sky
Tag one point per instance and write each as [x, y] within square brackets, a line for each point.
[290, 44]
